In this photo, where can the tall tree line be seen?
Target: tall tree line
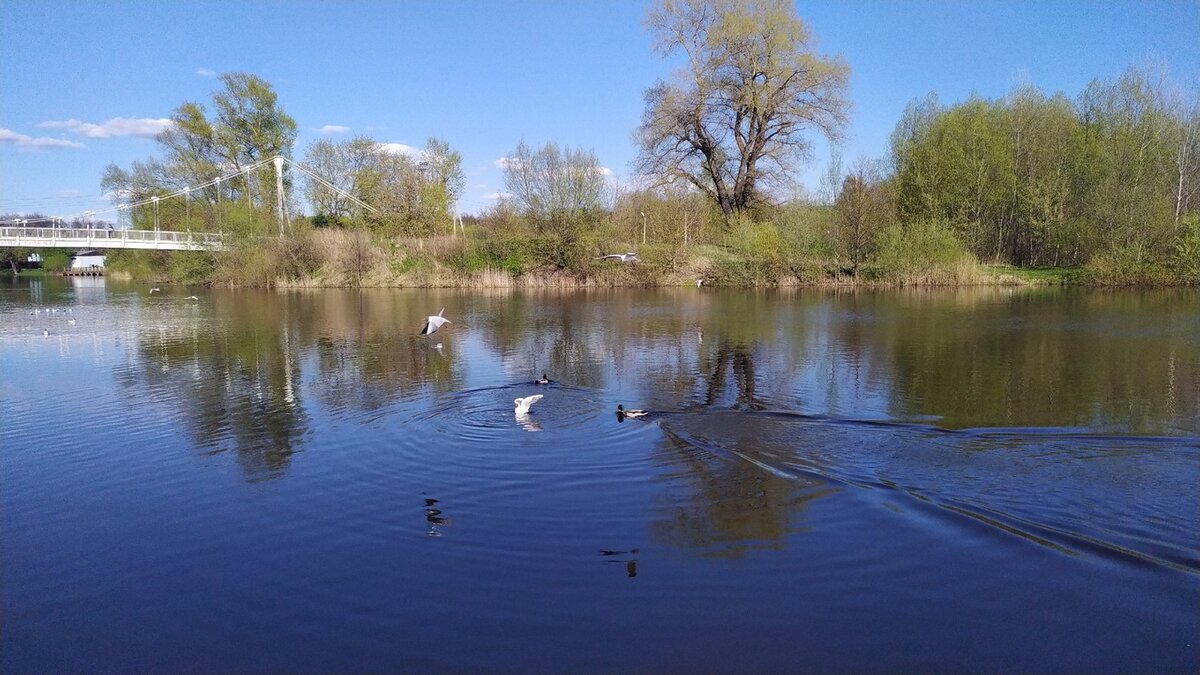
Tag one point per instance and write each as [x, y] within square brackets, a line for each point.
[1037, 179]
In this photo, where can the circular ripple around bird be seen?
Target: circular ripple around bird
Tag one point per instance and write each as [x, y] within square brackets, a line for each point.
[569, 433]
[488, 414]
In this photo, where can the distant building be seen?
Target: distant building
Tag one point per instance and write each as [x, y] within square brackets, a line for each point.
[87, 259]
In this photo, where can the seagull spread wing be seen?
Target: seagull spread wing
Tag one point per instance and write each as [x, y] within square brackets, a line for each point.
[433, 323]
[522, 404]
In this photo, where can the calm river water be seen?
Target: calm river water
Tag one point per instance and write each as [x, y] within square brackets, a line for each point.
[855, 481]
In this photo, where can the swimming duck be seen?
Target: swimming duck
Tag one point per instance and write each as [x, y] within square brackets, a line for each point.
[542, 380]
[623, 412]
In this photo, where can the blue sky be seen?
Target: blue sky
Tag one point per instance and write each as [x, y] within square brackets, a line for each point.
[484, 75]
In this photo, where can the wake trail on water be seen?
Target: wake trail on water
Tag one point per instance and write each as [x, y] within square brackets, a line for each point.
[1134, 499]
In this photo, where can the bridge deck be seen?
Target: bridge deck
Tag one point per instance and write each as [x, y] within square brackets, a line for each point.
[58, 237]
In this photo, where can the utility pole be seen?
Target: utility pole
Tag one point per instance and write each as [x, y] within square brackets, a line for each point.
[279, 201]
[249, 204]
[220, 223]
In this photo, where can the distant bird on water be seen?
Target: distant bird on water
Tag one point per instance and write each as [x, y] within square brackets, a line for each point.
[522, 404]
[699, 282]
[542, 380]
[433, 323]
[621, 257]
[45, 333]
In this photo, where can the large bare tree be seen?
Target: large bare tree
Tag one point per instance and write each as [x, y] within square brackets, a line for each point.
[734, 121]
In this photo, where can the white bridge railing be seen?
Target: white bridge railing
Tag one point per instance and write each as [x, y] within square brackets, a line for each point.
[58, 237]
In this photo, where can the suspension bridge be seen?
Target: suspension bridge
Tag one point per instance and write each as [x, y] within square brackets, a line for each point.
[47, 232]
[77, 237]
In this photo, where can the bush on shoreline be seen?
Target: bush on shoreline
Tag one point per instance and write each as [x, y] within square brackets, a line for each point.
[749, 254]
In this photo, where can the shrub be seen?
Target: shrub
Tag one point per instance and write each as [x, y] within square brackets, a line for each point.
[1129, 265]
[192, 267]
[1185, 264]
[55, 260]
[923, 252]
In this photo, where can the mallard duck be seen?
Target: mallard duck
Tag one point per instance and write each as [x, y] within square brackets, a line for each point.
[623, 412]
[433, 323]
[522, 404]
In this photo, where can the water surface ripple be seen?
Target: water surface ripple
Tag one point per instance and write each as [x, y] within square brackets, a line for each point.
[969, 481]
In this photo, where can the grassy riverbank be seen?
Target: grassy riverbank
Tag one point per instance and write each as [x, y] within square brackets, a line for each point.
[756, 255]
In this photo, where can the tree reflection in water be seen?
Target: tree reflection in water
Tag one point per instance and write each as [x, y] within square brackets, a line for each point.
[236, 376]
[243, 376]
[237, 389]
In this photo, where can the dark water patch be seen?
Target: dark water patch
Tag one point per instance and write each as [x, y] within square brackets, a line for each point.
[1074, 492]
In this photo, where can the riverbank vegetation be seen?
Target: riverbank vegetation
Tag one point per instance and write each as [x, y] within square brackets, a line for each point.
[1031, 188]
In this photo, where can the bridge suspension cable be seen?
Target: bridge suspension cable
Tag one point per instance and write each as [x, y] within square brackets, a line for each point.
[186, 192]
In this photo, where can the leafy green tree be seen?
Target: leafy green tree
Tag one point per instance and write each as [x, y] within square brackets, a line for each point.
[864, 208]
[247, 126]
[1033, 179]
[556, 188]
[735, 122]
[443, 171]
[1187, 153]
[412, 194]
[1130, 121]
[347, 167]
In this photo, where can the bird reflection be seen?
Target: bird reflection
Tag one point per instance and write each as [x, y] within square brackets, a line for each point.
[627, 557]
[433, 518]
[527, 422]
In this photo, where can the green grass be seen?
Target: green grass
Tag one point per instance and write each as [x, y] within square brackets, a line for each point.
[28, 272]
[1038, 276]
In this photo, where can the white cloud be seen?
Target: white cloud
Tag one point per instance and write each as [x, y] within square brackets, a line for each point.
[206, 72]
[506, 162]
[333, 129]
[400, 149]
[144, 127]
[497, 195]
[119, 194]
[39, 143]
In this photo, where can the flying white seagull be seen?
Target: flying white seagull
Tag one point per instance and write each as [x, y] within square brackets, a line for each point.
[433, 323]
[622, 257]
[522, 404]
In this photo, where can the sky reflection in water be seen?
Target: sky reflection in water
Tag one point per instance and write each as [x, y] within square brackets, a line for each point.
[973, 479]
